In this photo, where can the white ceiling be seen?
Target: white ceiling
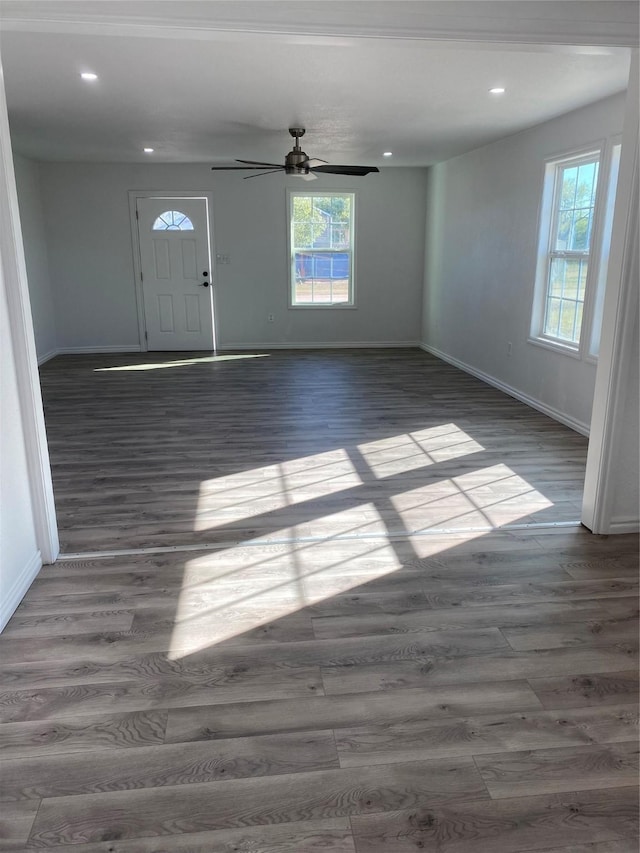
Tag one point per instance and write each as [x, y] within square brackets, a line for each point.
[200, 85]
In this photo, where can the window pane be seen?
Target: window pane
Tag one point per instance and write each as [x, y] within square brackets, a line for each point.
[576, 200]
[552, 322]
[582, 280]
[322, 277]
[556, 278]
[570, 274]
[568, 191]
[567, 320]
[172, 220]
[565, 298]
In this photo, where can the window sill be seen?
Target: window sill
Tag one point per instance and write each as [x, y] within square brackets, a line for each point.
[554, 346]
[332, 306]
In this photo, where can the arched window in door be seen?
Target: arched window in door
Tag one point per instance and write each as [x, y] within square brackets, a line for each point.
[173, 220]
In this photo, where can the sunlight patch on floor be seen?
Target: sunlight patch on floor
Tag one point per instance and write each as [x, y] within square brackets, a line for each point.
[415, 450]
[239, 593]
[261, 491]
[491, 497]
[180, 362]
[216, 604]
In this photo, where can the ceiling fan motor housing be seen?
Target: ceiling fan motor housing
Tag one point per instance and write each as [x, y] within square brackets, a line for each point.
[292, 163]
[295, 157]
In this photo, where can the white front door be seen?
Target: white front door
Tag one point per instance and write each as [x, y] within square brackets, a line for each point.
[176, 273]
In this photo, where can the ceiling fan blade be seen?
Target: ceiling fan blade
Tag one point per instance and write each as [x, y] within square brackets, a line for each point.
[260, 163]
[346, 170]
[227, 168]
[312, 163]
[260, 174]
[309, 177]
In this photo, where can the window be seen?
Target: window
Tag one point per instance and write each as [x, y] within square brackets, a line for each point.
[173, 220]
[321, 243]
[569, 203]
[576, 219]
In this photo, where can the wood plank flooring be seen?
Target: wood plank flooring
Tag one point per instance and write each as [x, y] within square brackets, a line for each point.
[331, 644]
[162, 449]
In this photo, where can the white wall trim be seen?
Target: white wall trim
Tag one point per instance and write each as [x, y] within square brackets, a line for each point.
[24, 348]
[624, 525]
[321, 345]
[619, 316]
[98, 349]
[12, 597]
[551, 412]
[47, 356]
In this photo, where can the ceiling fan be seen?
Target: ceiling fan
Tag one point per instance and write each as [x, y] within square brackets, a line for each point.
[297, 163]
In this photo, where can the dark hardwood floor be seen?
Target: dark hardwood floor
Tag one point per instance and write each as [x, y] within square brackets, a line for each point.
[317, 601]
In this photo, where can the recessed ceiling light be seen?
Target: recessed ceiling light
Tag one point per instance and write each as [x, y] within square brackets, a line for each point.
[148, 150]
[497, 90]
[89, 75]
[387, 154]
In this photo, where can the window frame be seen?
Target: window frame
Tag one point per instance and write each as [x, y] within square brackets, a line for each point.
[547, 220]
[332, 306]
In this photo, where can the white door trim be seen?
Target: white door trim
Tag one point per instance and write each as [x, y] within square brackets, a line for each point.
[24, 349]
[134, 195]
[618, 327]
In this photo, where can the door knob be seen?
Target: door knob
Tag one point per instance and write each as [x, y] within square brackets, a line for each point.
[205, 284]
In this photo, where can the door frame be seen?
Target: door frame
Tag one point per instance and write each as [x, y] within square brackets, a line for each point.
[134, 195]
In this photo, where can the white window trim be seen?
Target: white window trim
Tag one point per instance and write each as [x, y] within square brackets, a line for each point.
[546, 221]
[609, 177]
[321, 306]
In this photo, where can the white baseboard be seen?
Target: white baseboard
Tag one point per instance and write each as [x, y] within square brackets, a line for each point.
[17, 591]
[624, 525]
[105, 349]
[555, 414]
[47, 356]
[321, 345]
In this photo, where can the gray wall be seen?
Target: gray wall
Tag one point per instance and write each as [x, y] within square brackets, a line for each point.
[91, 261]
[482, 232]
[35, 247]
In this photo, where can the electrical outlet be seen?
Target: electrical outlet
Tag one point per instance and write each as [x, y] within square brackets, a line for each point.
[270, 318]
[509, 348]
